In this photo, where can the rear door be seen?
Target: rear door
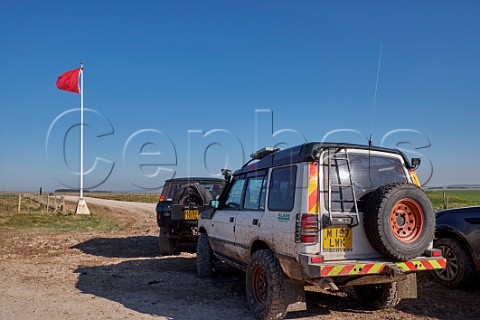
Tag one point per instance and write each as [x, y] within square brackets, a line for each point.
[369, 170]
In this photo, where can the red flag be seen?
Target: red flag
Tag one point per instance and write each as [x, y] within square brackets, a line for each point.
[68, 81]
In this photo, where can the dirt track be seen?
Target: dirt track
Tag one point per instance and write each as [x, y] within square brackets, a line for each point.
[120, 275]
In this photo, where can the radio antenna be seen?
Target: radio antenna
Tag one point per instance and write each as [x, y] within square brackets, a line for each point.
[375, 96]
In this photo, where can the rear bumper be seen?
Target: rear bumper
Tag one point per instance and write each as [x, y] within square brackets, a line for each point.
[311, 270]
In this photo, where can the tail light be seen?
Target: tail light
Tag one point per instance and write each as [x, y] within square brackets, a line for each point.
[433, 253]
[307, 228]
[161, 199]
[414, 176]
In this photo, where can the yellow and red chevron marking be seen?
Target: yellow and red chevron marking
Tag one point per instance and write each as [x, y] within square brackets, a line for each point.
[415, 179]
[313, 188]
[376, 268]
[429, 264]
[352, 269]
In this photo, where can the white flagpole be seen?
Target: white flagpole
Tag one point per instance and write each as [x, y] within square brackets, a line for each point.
[82, 207]
[81, 131]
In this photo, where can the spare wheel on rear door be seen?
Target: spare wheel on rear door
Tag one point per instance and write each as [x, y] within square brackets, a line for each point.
[192, 193]
[399, 221]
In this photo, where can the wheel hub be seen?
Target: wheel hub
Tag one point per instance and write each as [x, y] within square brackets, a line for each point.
[452, 268]
[406, 220]
[259, 285]
[401, 220]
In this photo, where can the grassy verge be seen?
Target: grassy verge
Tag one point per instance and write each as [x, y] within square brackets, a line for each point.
[34, 220]
[57, 222]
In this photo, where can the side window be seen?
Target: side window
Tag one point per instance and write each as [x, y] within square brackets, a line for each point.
[263, 193]
[282, 189]
[255, 194]
[234, 196]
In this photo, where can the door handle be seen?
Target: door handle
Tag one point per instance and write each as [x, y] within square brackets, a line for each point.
[255, 222]
[231, 219]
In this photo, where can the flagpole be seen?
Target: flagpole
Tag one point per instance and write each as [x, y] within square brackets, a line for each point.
[82, 207]
[81, 131]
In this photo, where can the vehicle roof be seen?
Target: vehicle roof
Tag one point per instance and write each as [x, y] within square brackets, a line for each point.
[195, 179]
[306, 152]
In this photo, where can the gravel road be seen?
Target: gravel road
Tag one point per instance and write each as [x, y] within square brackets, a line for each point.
[146, 209]
[119, 275]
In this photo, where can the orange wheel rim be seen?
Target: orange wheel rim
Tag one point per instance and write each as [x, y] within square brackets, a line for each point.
[259, 285]
[406, 220]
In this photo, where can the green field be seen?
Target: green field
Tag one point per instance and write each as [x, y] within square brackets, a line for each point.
[132, 197]
[456, 198]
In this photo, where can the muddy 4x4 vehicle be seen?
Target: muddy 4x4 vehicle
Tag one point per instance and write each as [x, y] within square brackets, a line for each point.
[333, 215]
[178, 207]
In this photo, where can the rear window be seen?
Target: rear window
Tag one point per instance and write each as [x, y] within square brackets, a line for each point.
[214, 187]
[282, 189]
[368, 173]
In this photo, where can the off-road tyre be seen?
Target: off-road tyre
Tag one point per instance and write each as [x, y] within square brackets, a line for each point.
[166, 244]
[205, 257]
[192, 193]
[399, 221]
[378, 296]
[460, 270]
[265, 286]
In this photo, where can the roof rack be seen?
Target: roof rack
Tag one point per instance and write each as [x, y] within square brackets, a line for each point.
[260, 154]
[263, 152]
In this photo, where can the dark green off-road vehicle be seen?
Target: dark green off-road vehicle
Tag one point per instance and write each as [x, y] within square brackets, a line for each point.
[178, 207]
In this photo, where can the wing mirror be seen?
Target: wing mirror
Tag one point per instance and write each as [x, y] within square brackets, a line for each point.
[227, 174]
[415, 163]
[214, 204]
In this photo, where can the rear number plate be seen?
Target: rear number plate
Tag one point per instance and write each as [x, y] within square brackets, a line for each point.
[191, 214]
[337, 238]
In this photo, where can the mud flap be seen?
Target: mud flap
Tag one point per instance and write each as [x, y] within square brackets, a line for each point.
[407, 289]
[295, 295]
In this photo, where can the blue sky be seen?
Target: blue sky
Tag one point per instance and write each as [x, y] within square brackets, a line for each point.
[185, 82]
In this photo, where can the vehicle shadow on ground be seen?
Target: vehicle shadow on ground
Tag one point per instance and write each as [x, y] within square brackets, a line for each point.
[129, 247]
[168, 287]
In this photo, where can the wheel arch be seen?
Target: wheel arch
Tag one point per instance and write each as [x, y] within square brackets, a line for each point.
[442, 233]
[258, 245]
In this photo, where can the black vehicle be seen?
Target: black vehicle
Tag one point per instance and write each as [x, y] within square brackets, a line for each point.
[458, 236]
[178, 207]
